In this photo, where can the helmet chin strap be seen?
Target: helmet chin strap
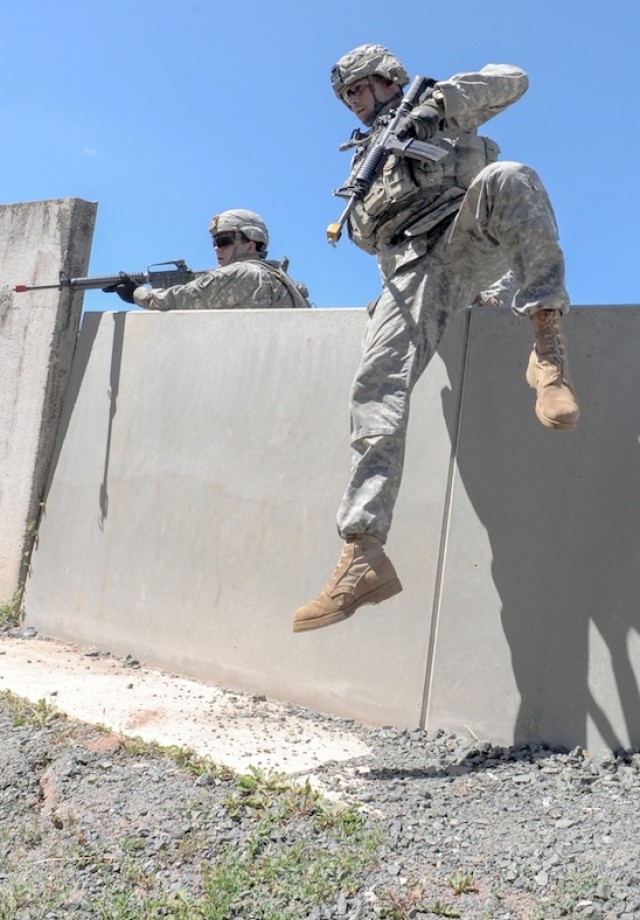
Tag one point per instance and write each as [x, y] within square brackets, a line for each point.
[237, 255]
[378, 105]
[235, 252]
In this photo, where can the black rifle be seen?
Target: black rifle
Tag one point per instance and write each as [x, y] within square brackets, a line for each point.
[157, 275]
[389, 142]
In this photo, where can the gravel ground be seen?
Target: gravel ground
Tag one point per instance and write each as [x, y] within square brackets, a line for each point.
[93, 825]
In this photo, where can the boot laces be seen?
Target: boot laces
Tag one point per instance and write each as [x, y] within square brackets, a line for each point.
[550, 344]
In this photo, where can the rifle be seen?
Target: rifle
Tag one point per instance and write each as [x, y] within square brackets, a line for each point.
[389, 142]
[157, 275]
[162, 277]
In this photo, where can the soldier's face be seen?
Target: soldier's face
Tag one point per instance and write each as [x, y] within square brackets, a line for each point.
[359, 98]
[230, 247]
[363, 96]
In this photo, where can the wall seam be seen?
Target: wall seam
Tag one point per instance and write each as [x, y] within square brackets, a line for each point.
[446, 524]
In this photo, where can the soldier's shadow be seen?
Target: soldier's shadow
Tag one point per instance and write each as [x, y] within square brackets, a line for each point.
[561, 511]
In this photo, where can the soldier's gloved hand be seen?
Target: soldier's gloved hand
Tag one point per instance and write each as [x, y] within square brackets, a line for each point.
[124, 288]
[423, 121]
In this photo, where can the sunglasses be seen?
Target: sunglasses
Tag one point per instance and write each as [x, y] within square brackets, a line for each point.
[221, 240]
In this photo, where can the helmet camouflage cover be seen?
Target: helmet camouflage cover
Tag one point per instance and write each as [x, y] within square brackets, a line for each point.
[242, 221]
[365, 61]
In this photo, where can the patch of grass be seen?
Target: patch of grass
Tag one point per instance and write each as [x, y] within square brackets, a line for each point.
[295, 851]
[461, 883]
[444, 910]
[12, 899]
[272, 795]
[398, 905]
[15, 704]
[285, 881]
[196, 764]
[267, 878]
[21, 900]
[263, 877]
[123, 905]
[566, 893]
[401, 905]
[41, 714]
[11, 611]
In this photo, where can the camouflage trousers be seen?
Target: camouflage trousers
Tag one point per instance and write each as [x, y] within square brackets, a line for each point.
[505, 221]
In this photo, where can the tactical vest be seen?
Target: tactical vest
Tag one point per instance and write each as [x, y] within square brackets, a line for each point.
[409, 196]
[298, 293]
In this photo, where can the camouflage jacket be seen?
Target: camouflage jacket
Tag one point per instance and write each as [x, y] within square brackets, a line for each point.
[410, 197]
[245, 284]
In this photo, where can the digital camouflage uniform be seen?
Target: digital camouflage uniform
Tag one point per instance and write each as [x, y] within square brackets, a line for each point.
[503, 220]
[442, 234]
[246, 284]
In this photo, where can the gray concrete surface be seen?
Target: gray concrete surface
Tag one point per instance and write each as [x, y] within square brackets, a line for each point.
[37, 339]
[539, 623]
[200, 462]
[133, 700]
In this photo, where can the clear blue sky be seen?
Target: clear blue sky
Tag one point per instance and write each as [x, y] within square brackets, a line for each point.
[169, 111]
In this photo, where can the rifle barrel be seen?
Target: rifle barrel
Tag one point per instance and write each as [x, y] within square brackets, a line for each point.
[84, 284]
[21, 288]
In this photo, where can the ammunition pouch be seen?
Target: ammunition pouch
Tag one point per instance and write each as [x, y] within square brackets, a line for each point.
[407, 190]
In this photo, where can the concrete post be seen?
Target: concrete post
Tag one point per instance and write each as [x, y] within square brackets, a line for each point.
[38, 333]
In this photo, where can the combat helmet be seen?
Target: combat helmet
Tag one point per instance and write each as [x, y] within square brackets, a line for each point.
[240, 220]
[365, 61]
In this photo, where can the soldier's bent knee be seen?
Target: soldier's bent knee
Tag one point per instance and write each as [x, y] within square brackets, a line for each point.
[508, 172]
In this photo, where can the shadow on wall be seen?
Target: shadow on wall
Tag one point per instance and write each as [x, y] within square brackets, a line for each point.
[561, 513]
[90, 326]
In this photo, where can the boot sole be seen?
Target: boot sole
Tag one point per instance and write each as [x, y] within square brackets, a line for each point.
[554, 423]
[375, 597]
[549, 422]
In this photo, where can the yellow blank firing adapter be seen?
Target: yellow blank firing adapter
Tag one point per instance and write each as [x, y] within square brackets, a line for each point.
[334, 232]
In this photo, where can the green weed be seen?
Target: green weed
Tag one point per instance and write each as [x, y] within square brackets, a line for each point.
[444, 910]
[40, 714]
[461, 883]
[11, 611]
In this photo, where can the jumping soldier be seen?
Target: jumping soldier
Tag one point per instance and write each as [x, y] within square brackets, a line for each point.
[443, 231]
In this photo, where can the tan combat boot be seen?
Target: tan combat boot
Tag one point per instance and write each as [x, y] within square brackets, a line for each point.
[548, 374]
[364, 575]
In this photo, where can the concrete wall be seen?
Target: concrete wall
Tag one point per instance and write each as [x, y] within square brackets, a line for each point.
[193, 507]
[200, 462]
[37, 339]
[539, 621]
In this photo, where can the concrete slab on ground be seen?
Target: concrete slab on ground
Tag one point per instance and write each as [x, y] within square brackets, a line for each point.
[234, 729]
